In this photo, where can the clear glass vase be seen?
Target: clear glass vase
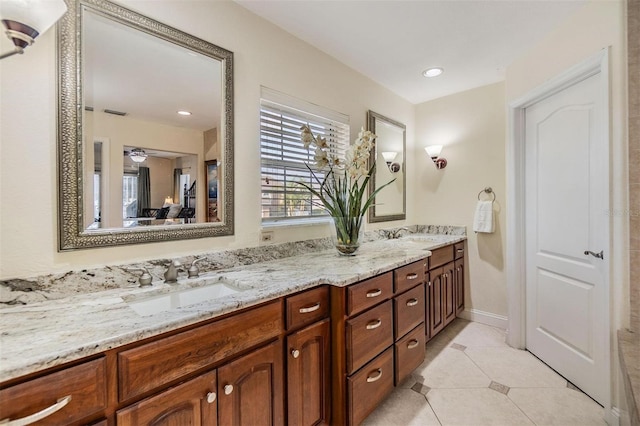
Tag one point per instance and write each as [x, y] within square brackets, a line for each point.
[347, 234]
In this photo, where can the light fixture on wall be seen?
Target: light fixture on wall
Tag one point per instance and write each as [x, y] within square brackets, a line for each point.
[168, 200]
[433, 151]
[24, 20]
[138, 155]
[389, 156]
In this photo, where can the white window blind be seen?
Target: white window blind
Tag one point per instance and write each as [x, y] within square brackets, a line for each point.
[284, 158]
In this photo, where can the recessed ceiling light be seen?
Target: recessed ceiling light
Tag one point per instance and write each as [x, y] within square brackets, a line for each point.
[432, 72]
[184, 113]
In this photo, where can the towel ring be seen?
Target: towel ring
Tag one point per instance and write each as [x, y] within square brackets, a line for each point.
[488, 190]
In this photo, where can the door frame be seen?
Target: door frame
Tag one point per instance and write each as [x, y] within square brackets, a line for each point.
[515, 156]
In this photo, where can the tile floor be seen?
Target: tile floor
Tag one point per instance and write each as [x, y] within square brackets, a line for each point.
[472, 377]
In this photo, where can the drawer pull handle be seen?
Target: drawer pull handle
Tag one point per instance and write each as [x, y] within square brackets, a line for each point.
[310, 308]
[211, 397]
[32, 418]
[228, 389]
[374, 293]
[460, 250]
[412, 302]
[371, 379]
[413, 343]
[374, 324]
[412, 276]
[295, 353]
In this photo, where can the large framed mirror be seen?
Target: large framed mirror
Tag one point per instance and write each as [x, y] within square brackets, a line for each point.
[389, 155]
[145, 110]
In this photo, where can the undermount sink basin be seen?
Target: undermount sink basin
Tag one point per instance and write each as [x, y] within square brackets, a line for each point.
[166, 302]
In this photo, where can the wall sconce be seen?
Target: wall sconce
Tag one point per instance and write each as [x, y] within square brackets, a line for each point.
[433, 151]
[138, 155]
[26, 19]
[389, 156]
[168, 200]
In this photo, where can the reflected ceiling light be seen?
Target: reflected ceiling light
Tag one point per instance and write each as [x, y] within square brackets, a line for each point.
[24, 20]
[138, 155]
[433, 72]
[389, 156]
[434, 151]
[184, 113]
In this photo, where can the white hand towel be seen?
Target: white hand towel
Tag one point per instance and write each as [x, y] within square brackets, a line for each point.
[483, 217]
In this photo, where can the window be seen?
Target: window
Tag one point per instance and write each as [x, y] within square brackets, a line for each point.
[284, 158]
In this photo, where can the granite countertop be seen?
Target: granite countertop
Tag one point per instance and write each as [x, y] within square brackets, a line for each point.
[40, 335]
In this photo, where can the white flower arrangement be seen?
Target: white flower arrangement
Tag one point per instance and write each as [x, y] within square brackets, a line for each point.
[343, 185]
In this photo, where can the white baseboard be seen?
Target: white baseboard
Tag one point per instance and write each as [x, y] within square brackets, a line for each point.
[612, 416]
[487, 318]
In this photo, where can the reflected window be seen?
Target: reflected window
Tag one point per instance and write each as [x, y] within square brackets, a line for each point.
[129, 196]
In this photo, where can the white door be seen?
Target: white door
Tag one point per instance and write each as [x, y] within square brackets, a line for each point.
[566, 202]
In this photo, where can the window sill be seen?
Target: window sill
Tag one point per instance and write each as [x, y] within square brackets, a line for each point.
[296, 222]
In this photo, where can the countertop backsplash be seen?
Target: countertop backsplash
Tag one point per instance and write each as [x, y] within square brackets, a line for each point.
[23, 291]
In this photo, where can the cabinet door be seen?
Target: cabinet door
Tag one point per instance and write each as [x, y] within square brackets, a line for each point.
[190, 403]
[427, 306]
[449, 301]
[250, 388]
[308, 375]
[458, 280]
[436, 291]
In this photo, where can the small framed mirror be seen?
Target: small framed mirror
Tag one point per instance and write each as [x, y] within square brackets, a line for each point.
[389, 155]
[145, 122]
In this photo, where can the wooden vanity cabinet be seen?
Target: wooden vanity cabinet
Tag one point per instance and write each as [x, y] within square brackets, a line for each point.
[250, 389]
[190, 403]
[445, 287]
[308, 358]
[378, 332]
[71, 395]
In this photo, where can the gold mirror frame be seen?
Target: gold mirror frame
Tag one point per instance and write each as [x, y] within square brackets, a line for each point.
[374, 216]
[72, 234]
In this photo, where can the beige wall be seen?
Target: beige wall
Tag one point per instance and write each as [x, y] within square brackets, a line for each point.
[598, 25]
[28, 227]
[471, 127]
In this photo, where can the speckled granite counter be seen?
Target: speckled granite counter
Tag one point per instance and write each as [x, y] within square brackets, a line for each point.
[39, 335]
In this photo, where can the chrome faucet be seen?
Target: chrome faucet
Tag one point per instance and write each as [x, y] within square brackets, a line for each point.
[397, 233]
[193, 270]
[171, 274]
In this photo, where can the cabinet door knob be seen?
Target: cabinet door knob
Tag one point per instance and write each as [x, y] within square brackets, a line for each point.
[429, 283]
[374, 324]
[412, 276]
[295, 353]
[374, 293]
[412, 302]
[228, 389]
[211, 397]
[32, 418]
[308, 309]
[371, 379]
[413, 343]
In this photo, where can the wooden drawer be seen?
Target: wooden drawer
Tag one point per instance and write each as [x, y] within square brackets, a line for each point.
[157, 363]
[367, 388]
[178, 405]
[86, 384]
[307, 307]
[370, 292]
[441, 256]
[409, 353]
[368, 334]
[409, 310]
[408, 276]
[458, 250]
